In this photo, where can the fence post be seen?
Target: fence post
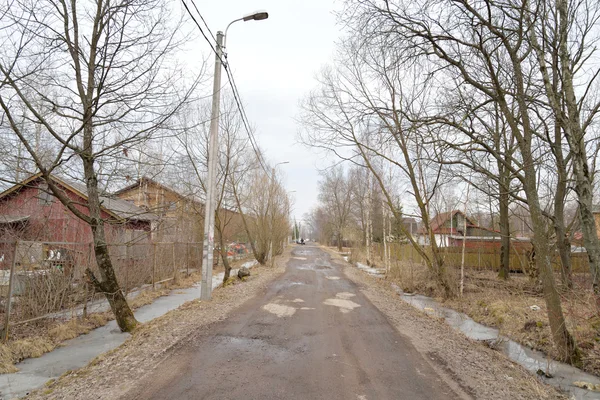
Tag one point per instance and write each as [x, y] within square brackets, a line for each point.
[85, 286]
[10, 292]
[187, 259]
[127, 261]
[154, 266]
[174, 266]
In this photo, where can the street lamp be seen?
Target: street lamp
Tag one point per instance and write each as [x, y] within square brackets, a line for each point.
[213, 146]
[270, 257]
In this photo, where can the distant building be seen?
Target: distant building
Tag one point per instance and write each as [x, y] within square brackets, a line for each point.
[411, 226]
[449, 230]
[180, 217]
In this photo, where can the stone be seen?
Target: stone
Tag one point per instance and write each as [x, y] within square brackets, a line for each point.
[243, 272]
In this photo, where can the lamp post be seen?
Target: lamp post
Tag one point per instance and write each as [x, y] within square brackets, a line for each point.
[270, 258]
[213, 153]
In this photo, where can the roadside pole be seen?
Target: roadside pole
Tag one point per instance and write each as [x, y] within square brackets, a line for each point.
[10, 292]
[213, 152]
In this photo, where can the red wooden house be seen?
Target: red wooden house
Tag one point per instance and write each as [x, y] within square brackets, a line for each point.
[29, 212]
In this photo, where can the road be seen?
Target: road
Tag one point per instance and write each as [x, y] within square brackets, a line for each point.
[312, 335]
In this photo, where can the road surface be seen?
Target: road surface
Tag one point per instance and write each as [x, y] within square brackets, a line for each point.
[312, 335]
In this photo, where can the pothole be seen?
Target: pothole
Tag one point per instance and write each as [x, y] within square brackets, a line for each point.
[279, 309]
[342, 302]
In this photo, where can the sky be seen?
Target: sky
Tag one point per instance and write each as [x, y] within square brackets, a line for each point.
[274, 63]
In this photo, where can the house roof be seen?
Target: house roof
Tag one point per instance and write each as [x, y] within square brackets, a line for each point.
[118, 208]
[439, 220]
[145, 179]
[12, 219]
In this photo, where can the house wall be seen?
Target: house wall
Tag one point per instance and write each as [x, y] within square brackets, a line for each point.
[180, 219]
[51, 221]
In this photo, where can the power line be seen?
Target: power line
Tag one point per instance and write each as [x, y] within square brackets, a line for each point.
[242, 111]
[202, 30]
[205, 24]
[232, 83]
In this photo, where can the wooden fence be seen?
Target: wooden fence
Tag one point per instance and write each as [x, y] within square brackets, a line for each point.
[480, 258]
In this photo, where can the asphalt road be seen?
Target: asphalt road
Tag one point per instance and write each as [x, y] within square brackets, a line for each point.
[313, 335]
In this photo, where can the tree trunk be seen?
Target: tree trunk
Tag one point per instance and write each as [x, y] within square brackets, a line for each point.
[562, 239]
[226, 264]
[575, 138]
[108, 285]
[504, 232]
[562, 337]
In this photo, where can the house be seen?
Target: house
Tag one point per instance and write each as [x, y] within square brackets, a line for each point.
[448, 230]
[411, 226]
[180, 216]
[30, 213]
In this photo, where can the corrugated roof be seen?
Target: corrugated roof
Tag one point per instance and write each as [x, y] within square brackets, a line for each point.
[11, 219]
[117, 207]
[122, 208]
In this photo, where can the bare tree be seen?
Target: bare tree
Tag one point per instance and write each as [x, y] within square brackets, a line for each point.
[95, 77]
[483, 46]
[335, 195]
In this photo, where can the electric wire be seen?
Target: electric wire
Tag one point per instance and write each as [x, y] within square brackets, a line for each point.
[231, 80]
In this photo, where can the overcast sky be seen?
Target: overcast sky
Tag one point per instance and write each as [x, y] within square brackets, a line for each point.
[274, 64]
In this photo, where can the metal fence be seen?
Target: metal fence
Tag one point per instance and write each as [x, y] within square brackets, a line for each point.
[48, 279]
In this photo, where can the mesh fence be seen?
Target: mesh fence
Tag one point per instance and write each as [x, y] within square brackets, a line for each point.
[49, 278]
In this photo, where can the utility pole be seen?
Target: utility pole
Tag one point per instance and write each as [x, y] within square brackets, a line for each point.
[213, 154]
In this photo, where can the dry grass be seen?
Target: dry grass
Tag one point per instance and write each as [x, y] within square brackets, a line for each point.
[507, 306]
[40, 337]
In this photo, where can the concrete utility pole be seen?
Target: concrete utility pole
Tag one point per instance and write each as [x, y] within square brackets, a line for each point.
[213, 155]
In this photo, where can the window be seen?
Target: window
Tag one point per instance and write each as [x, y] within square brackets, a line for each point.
[44, 196]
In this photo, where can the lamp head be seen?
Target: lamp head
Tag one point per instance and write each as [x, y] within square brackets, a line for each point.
[257, 16]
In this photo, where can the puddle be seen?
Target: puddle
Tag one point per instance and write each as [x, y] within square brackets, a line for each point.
[564, 375]
[300, 258]
[342, 302]
[297, 301]
[307, 308]
[332, 278]
[376, 272]
[279, 309]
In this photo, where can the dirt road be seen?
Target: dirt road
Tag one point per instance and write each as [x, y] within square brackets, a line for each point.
[312, 336]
